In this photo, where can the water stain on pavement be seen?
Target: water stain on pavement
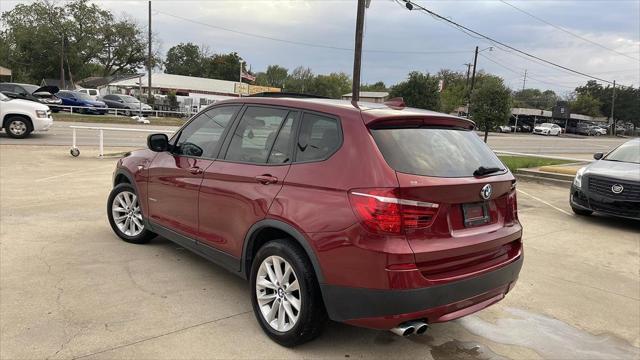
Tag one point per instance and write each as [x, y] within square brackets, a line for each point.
[549, 337]
[463, 350]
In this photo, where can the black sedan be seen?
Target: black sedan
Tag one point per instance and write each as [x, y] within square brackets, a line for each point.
[611, 184]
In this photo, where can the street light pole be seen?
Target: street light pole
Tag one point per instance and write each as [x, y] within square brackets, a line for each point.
[140, 91]
[613, 104]
[357, 58]
[240, 80]
[149, 57]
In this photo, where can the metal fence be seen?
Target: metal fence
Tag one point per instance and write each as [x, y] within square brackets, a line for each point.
[75, 151]
[122, 112]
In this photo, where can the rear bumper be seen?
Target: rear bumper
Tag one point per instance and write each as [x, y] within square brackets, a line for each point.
[384, 309]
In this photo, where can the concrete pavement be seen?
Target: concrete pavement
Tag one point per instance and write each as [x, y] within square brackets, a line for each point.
[69, 288]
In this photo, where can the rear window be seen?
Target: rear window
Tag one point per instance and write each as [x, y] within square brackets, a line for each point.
[435, 152]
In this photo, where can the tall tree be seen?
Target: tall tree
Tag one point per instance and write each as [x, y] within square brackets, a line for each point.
[275, 76]
[94, 41]
[184, 59]
[419, 90]
[490, 104]
[300, 80]
[585, 104]
[535, 99]
[378, 86]
[454, 90]
[332, 86]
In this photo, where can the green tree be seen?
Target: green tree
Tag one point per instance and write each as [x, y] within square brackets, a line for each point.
[332, 86]
[585, 104]
[94, 41]
[419, 90]
[535, 99]
[184, 59]
[300, 80]
[378, 86]
[275, 76]
[223, 66]
[454, 90]
[490, 103]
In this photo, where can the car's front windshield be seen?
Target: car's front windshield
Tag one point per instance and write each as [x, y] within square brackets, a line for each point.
[30, 88]
[546, 125]
[130, 99]
[82, 96]
[627, 152]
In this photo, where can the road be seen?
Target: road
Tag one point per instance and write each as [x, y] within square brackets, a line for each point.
[579, 147]
[71, 289]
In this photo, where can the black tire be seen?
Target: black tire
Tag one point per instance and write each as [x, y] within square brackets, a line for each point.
[144, 236]
[581, 212]
[17, 127]
[312, 316]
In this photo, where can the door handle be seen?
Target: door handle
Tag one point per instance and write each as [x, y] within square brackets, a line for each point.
[195, 170]
[266, 179]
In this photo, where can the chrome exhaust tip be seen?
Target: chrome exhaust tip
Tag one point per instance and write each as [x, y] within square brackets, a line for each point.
[405, 329]
[421, 327]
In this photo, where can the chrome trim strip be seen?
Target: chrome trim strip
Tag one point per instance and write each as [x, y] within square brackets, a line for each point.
[389, 200]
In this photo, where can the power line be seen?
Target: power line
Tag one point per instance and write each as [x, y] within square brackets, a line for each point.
[498, 43]
[302, 43]
[567, 31]
[528, 74]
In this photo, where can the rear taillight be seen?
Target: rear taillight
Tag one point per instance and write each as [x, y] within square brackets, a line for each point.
[512, 206]
[382, 210]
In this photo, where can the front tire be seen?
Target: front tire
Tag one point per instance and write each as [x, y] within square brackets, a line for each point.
[17, 127]
[125, 215]
[285, 294]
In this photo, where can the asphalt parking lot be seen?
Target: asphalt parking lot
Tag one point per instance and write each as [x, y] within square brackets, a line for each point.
[69, 288]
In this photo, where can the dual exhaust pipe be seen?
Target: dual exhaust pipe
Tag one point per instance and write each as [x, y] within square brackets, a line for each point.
[411, 327]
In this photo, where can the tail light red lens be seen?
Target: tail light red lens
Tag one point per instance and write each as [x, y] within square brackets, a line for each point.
[383, 211]
[512, 206]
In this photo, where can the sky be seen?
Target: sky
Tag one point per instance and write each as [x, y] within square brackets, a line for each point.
[398, 41]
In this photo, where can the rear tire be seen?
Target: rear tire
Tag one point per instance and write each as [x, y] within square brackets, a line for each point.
[581, 212]
[125, 215]
[17, 127]
[307, 322]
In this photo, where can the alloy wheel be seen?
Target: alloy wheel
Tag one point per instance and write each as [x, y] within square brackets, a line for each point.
[126, 213]
[17, 127]
[278, 293]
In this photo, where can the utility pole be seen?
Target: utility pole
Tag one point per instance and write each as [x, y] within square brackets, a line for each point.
[62, 82]
[524, 81]
[357, 58]
[613, 104]
[240, 79]
[149, 59]
[473, 82]
[468, 65]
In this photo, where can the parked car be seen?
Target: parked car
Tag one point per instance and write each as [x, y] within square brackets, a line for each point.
[76, 98]
[611, 184]
[547, 129]
[21, 117]
[421, 226]
[129, 104]
[597, 131]
[41, 94]
[505, 128]
[93, 93]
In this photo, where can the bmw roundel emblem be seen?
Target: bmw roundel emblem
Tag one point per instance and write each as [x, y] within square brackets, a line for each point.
[486, 191]
[617, 189]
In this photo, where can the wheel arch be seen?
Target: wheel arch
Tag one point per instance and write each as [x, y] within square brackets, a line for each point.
[24, 116]
[270, 229]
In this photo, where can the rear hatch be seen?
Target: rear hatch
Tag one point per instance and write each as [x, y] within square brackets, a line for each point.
[471, 225]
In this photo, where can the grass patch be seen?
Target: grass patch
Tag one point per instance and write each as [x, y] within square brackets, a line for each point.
[112, 119]
[523, 162]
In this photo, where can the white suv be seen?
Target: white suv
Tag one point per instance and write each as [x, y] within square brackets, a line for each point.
[21, 117]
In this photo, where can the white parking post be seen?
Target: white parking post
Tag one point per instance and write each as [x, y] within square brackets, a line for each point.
[73, 146]
[101, 143]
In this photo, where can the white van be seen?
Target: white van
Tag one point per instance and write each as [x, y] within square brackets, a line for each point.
[93, 93]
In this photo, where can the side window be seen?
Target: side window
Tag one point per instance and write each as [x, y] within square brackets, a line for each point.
[93, 92]
[281, 152]
[319, 137]
[108, 97]
[255, 134]
[202, 135]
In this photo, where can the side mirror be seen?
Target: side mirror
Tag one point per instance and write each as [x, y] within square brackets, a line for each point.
[598, 156]
[158, 142]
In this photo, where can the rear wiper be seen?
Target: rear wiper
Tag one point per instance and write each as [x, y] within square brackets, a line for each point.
[481, 171]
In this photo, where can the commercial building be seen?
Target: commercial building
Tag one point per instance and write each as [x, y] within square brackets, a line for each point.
[369, 96]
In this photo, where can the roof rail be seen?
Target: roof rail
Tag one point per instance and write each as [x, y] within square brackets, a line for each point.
[287, 94]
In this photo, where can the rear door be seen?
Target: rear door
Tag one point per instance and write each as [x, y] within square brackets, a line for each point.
[239, 187]
[473, 215]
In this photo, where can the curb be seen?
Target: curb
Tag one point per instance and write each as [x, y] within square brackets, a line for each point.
[543, 180]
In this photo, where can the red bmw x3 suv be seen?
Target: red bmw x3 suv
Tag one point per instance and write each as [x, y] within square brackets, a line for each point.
[374, 215]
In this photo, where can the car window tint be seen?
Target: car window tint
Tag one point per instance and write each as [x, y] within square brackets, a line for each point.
[319, 137]
[434, 152]
[254, 135]
[202, 135]
[93, 92]
[281, 152]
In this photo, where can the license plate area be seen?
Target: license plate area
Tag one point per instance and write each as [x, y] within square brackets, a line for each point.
[475, 214]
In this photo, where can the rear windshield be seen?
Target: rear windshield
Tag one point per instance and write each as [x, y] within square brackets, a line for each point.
[435, 151]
